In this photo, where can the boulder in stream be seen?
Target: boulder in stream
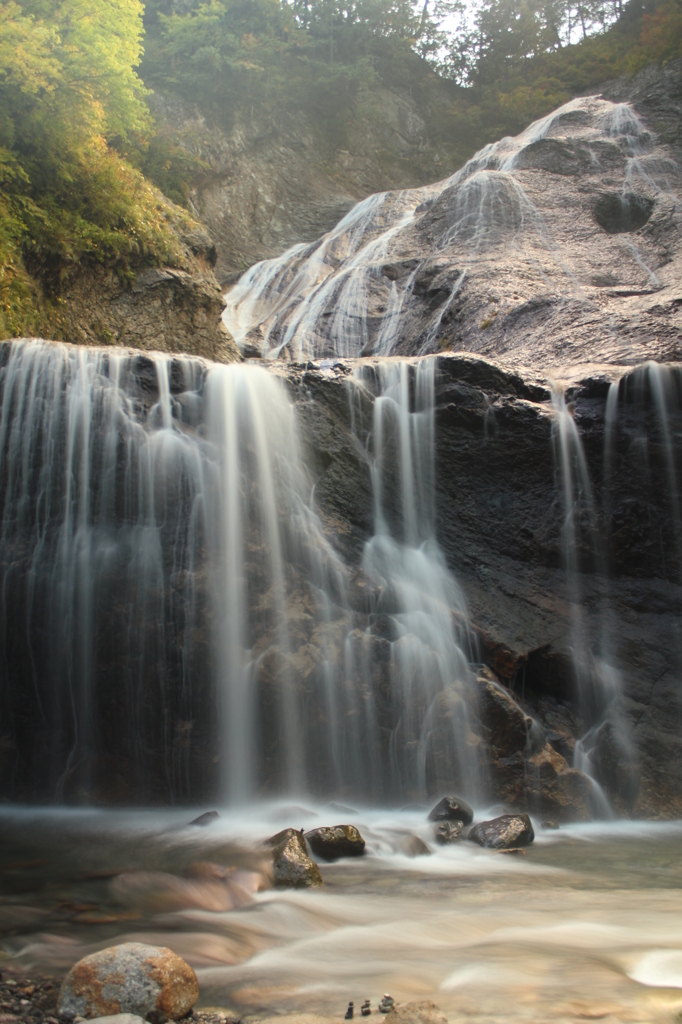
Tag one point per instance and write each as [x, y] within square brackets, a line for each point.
[293, 866]
[207, 818]
[413, 846]
[337, 841]
[503, 833]
[452, 808]
[150, 981]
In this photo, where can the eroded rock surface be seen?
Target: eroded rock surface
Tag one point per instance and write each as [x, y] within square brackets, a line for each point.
[447, 832]
[131, 978]
[335, 842]
[293, 865]
[560, 247]
[504, 833]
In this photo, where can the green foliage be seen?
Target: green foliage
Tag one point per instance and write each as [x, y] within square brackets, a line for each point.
[68, 91]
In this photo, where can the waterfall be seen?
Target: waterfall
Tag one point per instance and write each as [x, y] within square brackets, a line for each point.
[431, 683]
[597, 680]
[185, 623]
[642, 428]
[385, 279]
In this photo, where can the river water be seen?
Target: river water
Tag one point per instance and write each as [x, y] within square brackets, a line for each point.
[584, 925]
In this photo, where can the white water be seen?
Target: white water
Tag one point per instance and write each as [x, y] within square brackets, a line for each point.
[348, 294]
[585, 925]
[168, 582]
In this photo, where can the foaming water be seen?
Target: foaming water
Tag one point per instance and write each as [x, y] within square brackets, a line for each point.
[184, 620]
[585, 924]
[348, 294]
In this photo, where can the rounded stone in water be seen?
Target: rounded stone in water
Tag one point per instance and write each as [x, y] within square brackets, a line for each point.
[452, 808]
[131, 978]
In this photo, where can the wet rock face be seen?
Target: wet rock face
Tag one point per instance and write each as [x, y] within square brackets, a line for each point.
[150, 981]
[507, 725]
[503, 833]
[559, 247]
[336, 842]
[293, 866]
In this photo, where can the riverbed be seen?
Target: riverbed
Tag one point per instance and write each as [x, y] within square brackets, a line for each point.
[586, 924]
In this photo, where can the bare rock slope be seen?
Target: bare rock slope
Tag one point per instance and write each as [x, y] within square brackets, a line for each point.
[559, 247]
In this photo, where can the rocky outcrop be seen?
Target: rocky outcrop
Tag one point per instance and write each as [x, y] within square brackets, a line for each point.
[500, 519]
[558, 248]
[164, 309]
[270, 185]
[508, 832]
[150, 981]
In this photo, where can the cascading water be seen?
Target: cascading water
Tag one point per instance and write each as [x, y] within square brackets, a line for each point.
[394, 254]
[596, 679]
[430, 680]
[171, 593]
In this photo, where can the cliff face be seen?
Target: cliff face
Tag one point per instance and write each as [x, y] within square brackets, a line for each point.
[584, 630]
[557, 513]
[270, 185]
[168, 309]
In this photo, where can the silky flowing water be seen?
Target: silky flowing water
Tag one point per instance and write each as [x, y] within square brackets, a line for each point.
[585, 925]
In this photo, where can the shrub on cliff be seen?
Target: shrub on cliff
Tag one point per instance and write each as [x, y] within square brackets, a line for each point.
[69, 95]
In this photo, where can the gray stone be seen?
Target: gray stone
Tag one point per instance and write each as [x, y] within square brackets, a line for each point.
[205, 819]
[133, 978]
[503, 833]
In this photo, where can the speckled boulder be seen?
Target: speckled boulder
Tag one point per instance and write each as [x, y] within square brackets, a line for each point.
[504, 833]
[150, 981]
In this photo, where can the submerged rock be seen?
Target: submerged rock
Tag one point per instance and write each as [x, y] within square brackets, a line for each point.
[205, 819]
[121, 1018]
[293, 866]
[503, 833]
[337, 841]
[448, 832]
[452, 808]
[132, 978]
[413, 846]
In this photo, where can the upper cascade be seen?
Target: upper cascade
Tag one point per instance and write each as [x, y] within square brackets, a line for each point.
[560, 245]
